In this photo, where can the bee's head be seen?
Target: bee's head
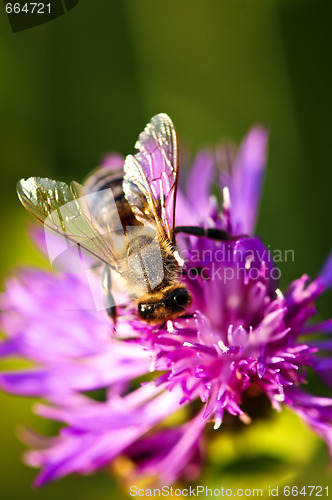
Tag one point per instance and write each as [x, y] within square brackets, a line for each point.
[164, 305]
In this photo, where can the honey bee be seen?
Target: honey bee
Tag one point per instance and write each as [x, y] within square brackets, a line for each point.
[126, 219]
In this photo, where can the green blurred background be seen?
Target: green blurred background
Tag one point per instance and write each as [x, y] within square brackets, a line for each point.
[86, 83]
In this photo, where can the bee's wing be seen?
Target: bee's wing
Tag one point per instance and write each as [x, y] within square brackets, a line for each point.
[67, 211]
[151, 176]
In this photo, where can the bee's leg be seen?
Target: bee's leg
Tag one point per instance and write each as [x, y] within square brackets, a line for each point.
[212, 233]
[109, 300]
[186, 316]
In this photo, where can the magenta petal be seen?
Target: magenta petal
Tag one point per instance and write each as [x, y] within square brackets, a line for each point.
[184, 214]
[113, 161]
[199, 183]
[316, 411]
[83, 451]
[170, 452]
[68, 377]
[326, 273]
[247, 180]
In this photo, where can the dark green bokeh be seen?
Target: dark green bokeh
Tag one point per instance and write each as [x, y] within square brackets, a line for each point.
[86, 83]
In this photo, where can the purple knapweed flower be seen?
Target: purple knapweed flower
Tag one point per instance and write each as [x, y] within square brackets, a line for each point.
[243, 337]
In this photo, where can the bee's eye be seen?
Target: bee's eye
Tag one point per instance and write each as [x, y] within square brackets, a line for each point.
[180, 297]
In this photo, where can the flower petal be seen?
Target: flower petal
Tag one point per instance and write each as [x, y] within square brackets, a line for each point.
[247, 179]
